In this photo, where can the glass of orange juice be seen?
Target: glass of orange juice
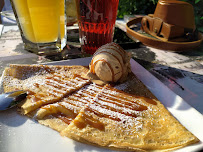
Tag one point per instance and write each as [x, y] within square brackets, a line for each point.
[42, 25]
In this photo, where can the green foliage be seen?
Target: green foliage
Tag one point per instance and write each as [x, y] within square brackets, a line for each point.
[198, 7]
[129, 7]
[197, 1]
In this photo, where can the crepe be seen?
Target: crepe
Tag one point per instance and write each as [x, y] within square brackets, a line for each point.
[118, 120]
[65, 110]
[45, 84]
[102, 115]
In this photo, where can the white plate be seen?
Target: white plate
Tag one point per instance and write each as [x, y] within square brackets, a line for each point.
[20, 134]
[8, 14]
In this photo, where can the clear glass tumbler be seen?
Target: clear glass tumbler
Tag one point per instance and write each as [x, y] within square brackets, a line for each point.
[96, 20]
[42, 24]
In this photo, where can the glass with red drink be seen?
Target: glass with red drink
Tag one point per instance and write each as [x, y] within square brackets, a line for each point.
[96, 20]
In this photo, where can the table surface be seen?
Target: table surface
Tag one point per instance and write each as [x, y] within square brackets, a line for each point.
[182, 72]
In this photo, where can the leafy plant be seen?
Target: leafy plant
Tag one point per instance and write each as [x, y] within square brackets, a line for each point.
[198, 6]
[129, 7]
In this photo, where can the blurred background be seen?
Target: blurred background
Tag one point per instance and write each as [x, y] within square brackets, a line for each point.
[144, 7]
[130, 7]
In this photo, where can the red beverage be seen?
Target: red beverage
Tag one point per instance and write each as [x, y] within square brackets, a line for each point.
[96, 22]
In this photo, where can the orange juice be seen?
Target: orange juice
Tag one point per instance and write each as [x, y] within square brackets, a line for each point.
[41, 21]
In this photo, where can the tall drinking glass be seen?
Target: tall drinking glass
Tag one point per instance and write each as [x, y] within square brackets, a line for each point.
[96, 20]
[42, 24]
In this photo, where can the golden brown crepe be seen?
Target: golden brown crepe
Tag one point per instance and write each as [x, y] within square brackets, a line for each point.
[102, 115]
[45, 84]
[119, 120]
